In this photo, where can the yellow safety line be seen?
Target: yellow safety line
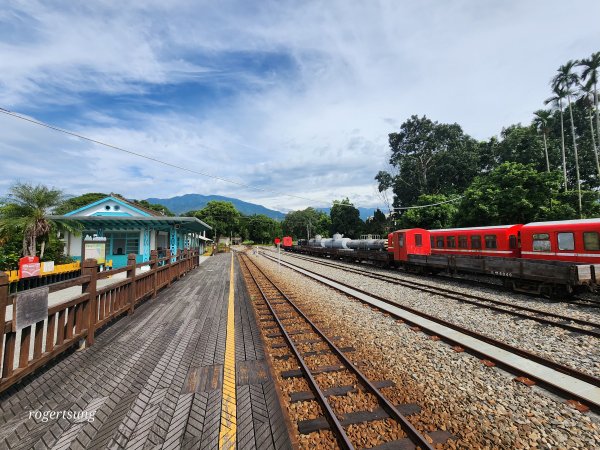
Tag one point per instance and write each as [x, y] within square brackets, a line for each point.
[227, 435]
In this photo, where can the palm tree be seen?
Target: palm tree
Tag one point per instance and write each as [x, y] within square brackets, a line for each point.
[541, 121]
[587, 97]
[25, 210]
[566, 79]
[591, 73]
[557, 102]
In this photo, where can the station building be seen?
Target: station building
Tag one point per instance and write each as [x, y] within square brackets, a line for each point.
[126, 227]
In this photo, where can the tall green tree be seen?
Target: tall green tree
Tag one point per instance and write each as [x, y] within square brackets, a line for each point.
[262, 229]
[556, 101]
[566, 79]
[590, 74]
[378, 224]
[220, 215]
[306, 223]
[541, 122]
[429, 158]
[513, 193]
[587, 98]
[441, 215]
[345, 219]
[24, 211]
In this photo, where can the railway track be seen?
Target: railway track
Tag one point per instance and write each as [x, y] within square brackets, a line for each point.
[579, 388]
[543, 317]
[285, 320]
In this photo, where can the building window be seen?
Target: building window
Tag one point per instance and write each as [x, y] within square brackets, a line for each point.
[490, 241]
[566, 241]
[419, 240]
[462, 242]
[107, 207]
[439, 242]
[476, 242]
[591, 240]
[124, 243]
[451, 241]
[541, 242]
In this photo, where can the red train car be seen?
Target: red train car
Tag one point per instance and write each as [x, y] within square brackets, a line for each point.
[501, 241]
[413, 241]
[566, 240]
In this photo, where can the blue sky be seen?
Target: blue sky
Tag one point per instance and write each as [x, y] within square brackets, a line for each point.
[294, 97]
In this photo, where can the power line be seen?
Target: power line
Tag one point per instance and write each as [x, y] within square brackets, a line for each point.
[431, 204]
[114, 147]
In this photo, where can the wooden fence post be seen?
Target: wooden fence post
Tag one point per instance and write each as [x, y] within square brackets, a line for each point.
[179, 262]
[89, 267]
[131, 261]
[168, 256]
[3, 304]
[154, 268]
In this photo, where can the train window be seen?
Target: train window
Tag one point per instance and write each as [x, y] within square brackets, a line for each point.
[490, 241]
[451, 242]
[566, 241]
[591, 240]
[512, 242]
[541, 242]
[401, 240]
[418, 240]
[476, 242]
[462, 242]
[439, 242]
[431, 242]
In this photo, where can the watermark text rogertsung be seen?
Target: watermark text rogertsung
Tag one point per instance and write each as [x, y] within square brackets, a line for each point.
[77, 416]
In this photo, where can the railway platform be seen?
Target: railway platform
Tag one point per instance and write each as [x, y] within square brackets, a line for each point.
[187, 370]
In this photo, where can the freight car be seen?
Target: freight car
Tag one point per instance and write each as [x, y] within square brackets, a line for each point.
[546, 258]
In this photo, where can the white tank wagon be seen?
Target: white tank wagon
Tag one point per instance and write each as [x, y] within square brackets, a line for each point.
[340, 242]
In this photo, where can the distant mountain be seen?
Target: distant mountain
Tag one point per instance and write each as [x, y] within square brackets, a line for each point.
[192, 202]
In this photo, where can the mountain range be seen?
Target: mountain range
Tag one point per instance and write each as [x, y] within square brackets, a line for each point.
[193, 202]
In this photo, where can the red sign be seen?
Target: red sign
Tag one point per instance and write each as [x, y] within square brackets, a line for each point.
[287, 241]
[29, 266]
[277, 240]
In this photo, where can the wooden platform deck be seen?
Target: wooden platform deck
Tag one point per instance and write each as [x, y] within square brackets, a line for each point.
[156, 379]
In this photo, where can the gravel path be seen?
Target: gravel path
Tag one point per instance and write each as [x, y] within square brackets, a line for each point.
[571, 349]
[479, 405]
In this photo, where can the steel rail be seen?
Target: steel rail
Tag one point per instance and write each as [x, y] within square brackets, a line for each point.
[563, 392]
[472, 299]
[414, 435]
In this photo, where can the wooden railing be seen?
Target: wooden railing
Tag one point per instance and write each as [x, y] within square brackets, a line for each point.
[76, 320]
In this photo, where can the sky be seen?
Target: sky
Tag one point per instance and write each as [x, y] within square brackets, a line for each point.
[295, 98]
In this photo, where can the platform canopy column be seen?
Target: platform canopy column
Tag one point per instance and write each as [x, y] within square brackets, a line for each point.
[146, 240]
[173, 241]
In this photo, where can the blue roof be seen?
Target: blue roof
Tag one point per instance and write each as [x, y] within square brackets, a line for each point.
[107, 199]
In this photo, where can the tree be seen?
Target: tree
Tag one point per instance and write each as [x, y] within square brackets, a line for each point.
[590, 74]
[588, 100]
[155, 207]
[441, 215]
[220, 215]
[566, 79]
[430, 158]
[541, 122]
[25, 210]
[378, 224]
[262, 229]
[73, 203]
[557, 101]
[306, 223]
[345, 219]
[510, 194]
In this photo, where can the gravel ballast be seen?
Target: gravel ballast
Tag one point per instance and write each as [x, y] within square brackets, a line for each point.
[481, 406]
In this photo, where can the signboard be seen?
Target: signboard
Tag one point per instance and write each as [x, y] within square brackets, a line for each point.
[29, 266]
[95, 250]
[287, 241]
[47, 266]
[30, 307]
[277, 240]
